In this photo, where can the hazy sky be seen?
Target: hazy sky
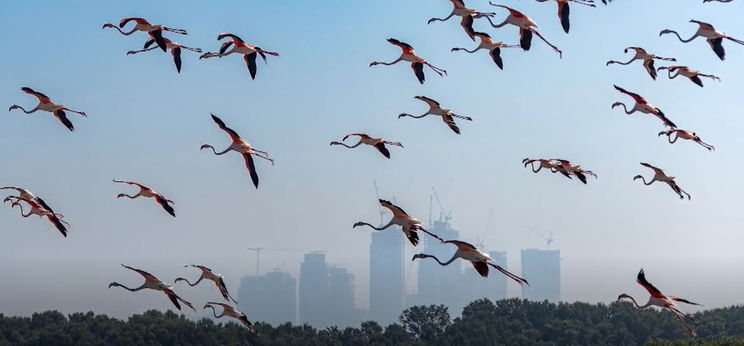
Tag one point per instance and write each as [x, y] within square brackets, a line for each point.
[146, 123]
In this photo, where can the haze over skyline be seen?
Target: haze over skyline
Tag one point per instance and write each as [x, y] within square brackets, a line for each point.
[146, 123]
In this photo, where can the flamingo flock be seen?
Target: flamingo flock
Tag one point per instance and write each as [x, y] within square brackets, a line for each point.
[411, 227]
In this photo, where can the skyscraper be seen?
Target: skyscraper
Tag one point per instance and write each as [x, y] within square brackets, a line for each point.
[326, 294]
[340, 309]
[313, 290]
[271, 297]
[441, 284]
[387, 289]
[542, 268]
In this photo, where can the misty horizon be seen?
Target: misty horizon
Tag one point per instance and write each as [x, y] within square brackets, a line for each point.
[146, 123]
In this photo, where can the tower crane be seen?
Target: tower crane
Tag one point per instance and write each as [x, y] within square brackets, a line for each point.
[258, 250]
[485, 232]
[441, 208]
[549, 239]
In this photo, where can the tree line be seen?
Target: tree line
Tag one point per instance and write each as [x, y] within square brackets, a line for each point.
[482, 322]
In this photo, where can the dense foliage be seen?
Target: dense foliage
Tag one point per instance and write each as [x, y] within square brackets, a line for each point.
[506, 322]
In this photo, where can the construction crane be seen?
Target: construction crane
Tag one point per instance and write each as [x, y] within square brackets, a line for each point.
[258, 250]
[441, 208]
[382, 212]
[431, 198]
[549, 239]
[485, 232]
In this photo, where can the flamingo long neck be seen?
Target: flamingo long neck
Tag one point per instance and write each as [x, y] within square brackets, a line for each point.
[30, 111]
[646, 183]
[506, 21]
[375, 228]
[533, 167]
[445, 18]
[214, 312]
[676, 136]
[123, 32]
[470, 51]
[626, 63]
[351, 146]
[414, 116]
[390, 63]
[383, 227]
[215, 151]
[626, 109]
[22, 214]
[680, 37]
[131, 289]
[635, 302]
[443, 263]
[195, 282]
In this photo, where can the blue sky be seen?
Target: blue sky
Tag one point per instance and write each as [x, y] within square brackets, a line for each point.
[146, 123]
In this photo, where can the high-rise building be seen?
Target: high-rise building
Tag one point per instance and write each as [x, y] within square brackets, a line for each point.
[326, 294]
[313, 290]
[386, 275]
[441, 284]
[340, 308]
[542, 268]
[271, 297]
[494, 286]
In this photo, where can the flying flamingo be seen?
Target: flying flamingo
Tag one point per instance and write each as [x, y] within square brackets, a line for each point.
[479, 259]
[378, 143]
[240, 146]
[409, 225]
[409, 55]
[659, 175]
[641, 105]
[663, 301]
[250, 52]
[228, 310]
[153, 283]
[40, 211]
[693, 75]
[208, 274]
[567, 168]
[467, 14]
[526, 27]
[687, 135]
[174, 47]
[147, 192]
[155, 30]
[435, 109]
[550, 164]
[648, 60]
[713, 36]
[46, 104]
[493, 48]
[26, 194]
[564, 11]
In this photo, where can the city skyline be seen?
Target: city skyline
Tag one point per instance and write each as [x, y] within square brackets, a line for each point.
[330, 290]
